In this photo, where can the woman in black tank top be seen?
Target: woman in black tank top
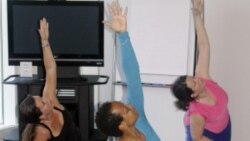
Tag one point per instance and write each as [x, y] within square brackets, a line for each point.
[69, 130]
[46, 119]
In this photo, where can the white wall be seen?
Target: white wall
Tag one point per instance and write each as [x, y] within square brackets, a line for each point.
[9, 95]
[228, 26]
[159, 31]
[1, 70]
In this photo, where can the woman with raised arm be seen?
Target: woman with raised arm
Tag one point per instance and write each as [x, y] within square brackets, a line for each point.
[46, 118]
[127, 121]
[207, 117]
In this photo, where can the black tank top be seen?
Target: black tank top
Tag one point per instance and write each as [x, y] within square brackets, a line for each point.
[69, 130]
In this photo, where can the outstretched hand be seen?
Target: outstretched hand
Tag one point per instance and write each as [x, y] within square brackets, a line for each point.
[198, 6]
[118, 22]
[44, 31]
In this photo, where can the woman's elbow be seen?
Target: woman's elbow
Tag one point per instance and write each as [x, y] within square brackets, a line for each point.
[197, 138]
[202, 138]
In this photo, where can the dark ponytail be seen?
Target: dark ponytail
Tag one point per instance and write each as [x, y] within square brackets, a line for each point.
[182, 105]
[182, 93]
[28, 133]
[29, 113]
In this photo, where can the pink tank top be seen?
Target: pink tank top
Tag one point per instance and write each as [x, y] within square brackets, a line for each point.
[216, 116]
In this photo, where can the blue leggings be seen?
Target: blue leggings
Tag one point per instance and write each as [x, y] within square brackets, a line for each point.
[224, 135]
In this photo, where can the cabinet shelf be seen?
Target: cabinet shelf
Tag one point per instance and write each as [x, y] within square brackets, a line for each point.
[76, 94]
[81, 80]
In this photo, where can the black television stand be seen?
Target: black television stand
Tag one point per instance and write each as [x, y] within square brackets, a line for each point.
[64, 72]
[76, 95]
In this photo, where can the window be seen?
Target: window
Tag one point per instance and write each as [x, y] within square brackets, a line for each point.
[1, 66]
[7, 92]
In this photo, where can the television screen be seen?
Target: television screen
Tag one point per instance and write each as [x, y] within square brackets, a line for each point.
[76, 32]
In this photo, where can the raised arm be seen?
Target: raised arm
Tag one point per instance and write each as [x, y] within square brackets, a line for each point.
[197, 123]
[129, 69]
[127, 61]
[49, 91]
[202, 68]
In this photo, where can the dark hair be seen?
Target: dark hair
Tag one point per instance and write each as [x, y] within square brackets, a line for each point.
[107, 122]
[182, 93]
[29, 113]
[28, 132]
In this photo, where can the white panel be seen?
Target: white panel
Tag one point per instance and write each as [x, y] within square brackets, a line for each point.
[9, 91]
[1, 70]
[159, 31]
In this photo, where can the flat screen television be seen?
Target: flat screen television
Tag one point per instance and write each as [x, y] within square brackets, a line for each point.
[76, 32]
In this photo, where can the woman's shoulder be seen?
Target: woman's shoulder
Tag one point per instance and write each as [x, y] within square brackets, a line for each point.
[207, 79]
[41, 132]
[59, 108]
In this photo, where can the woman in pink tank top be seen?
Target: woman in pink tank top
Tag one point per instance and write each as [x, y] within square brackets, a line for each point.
[207, 117]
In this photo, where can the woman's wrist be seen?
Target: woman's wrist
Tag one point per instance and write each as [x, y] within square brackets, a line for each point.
[45, 43]
[121, 30]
